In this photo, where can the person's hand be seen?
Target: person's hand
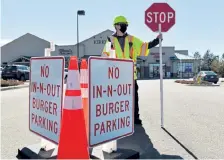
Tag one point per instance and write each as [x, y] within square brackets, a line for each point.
[160, 36]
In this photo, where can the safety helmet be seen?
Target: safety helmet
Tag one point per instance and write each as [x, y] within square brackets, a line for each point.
[120, 19]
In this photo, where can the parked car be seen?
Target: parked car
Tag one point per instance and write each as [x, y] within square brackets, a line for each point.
[208, 76]
[18, 72]
[1, 68]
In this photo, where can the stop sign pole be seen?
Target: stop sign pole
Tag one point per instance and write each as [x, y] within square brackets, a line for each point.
[161, 76]
[160, 17]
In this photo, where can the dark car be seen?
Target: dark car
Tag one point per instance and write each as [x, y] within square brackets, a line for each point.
[208, 76]
[18, 72]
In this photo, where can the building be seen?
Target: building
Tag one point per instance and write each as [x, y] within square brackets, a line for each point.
[20, 50]
[92, 46]
[176, 63]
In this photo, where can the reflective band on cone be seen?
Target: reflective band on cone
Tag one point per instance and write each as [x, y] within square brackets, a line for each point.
[84, 89]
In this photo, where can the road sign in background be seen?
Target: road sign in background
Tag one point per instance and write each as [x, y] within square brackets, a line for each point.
[111, 103]
[46, 96]
[160, 13]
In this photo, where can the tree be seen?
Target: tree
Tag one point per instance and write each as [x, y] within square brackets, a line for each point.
[207, 60]
[221, 67]
[215, 65]
[197, 55]
[211, 62]
[222, 57]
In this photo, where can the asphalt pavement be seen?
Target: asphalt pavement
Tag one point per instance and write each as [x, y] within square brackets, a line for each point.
[193, 117]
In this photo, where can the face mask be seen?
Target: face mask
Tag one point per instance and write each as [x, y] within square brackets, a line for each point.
[123, 28]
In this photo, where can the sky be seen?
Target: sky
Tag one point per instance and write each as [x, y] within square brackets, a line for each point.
[199, 23]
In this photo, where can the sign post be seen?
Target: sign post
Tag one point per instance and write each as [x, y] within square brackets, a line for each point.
[45, 144]
[161, 75]
[160, 17]
[111, 103]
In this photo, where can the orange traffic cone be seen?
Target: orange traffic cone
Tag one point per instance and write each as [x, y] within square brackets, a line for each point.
[84, 90]
[73, 140]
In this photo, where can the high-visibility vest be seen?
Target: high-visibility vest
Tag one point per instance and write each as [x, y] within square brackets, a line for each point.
[133, 48]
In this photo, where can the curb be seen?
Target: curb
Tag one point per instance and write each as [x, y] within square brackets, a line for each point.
[204, 85]
[14, 87]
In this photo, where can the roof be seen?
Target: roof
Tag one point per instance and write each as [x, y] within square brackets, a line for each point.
[26, 57]
[108, 30]
[183, 57]
[27, 34]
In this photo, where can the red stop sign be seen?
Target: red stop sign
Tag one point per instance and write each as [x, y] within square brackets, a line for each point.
[160, 13]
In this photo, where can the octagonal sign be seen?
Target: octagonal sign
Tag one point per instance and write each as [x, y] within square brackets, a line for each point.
[160, 13]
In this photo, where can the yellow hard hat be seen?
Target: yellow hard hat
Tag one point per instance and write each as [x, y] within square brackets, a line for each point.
[120, 19]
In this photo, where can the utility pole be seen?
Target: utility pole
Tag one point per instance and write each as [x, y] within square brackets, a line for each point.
[79, 13]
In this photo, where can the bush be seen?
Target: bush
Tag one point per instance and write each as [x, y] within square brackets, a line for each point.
[177, 81]
[185, 82]
[221, 69]
[6, 83]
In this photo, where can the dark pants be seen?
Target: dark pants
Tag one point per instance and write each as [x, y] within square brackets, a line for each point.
[136, 103]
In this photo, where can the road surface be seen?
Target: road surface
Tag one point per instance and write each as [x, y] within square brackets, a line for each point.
[193, 115]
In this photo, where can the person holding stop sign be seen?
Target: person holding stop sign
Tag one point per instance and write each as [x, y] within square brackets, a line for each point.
[127, 46]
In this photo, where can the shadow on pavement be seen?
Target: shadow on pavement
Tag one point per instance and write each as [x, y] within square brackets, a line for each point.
[141, 142]
[186, 149]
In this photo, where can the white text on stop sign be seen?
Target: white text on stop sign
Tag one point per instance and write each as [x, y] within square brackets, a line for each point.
[159, 17]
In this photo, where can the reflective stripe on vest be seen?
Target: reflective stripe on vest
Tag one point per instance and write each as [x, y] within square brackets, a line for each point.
[106, 53]
[130, 39]
[128, 51]
[144, 49]
[119, 53]
[132, 56]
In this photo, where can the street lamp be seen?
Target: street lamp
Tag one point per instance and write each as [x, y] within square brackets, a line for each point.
[79, 13]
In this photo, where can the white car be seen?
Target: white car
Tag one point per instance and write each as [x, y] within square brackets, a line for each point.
[65, 74]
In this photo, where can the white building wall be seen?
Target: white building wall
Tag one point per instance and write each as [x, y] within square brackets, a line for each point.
[27, 45]
[174, 67]
[92, 46]
[185, 52]
[65, 50]
[154, 54]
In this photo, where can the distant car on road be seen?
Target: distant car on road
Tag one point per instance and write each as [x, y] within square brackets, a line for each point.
[208, 76]
[18, 72]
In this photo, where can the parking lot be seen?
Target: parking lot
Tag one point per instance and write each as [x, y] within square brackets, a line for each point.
[192, 114]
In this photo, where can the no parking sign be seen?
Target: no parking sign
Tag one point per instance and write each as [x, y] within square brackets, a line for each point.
[46, 96]
[111, 104]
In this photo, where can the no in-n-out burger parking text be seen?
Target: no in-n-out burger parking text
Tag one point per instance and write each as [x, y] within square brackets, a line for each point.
[112, 107]
[46, 107]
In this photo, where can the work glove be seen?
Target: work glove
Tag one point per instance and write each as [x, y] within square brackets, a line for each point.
[160, 36]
